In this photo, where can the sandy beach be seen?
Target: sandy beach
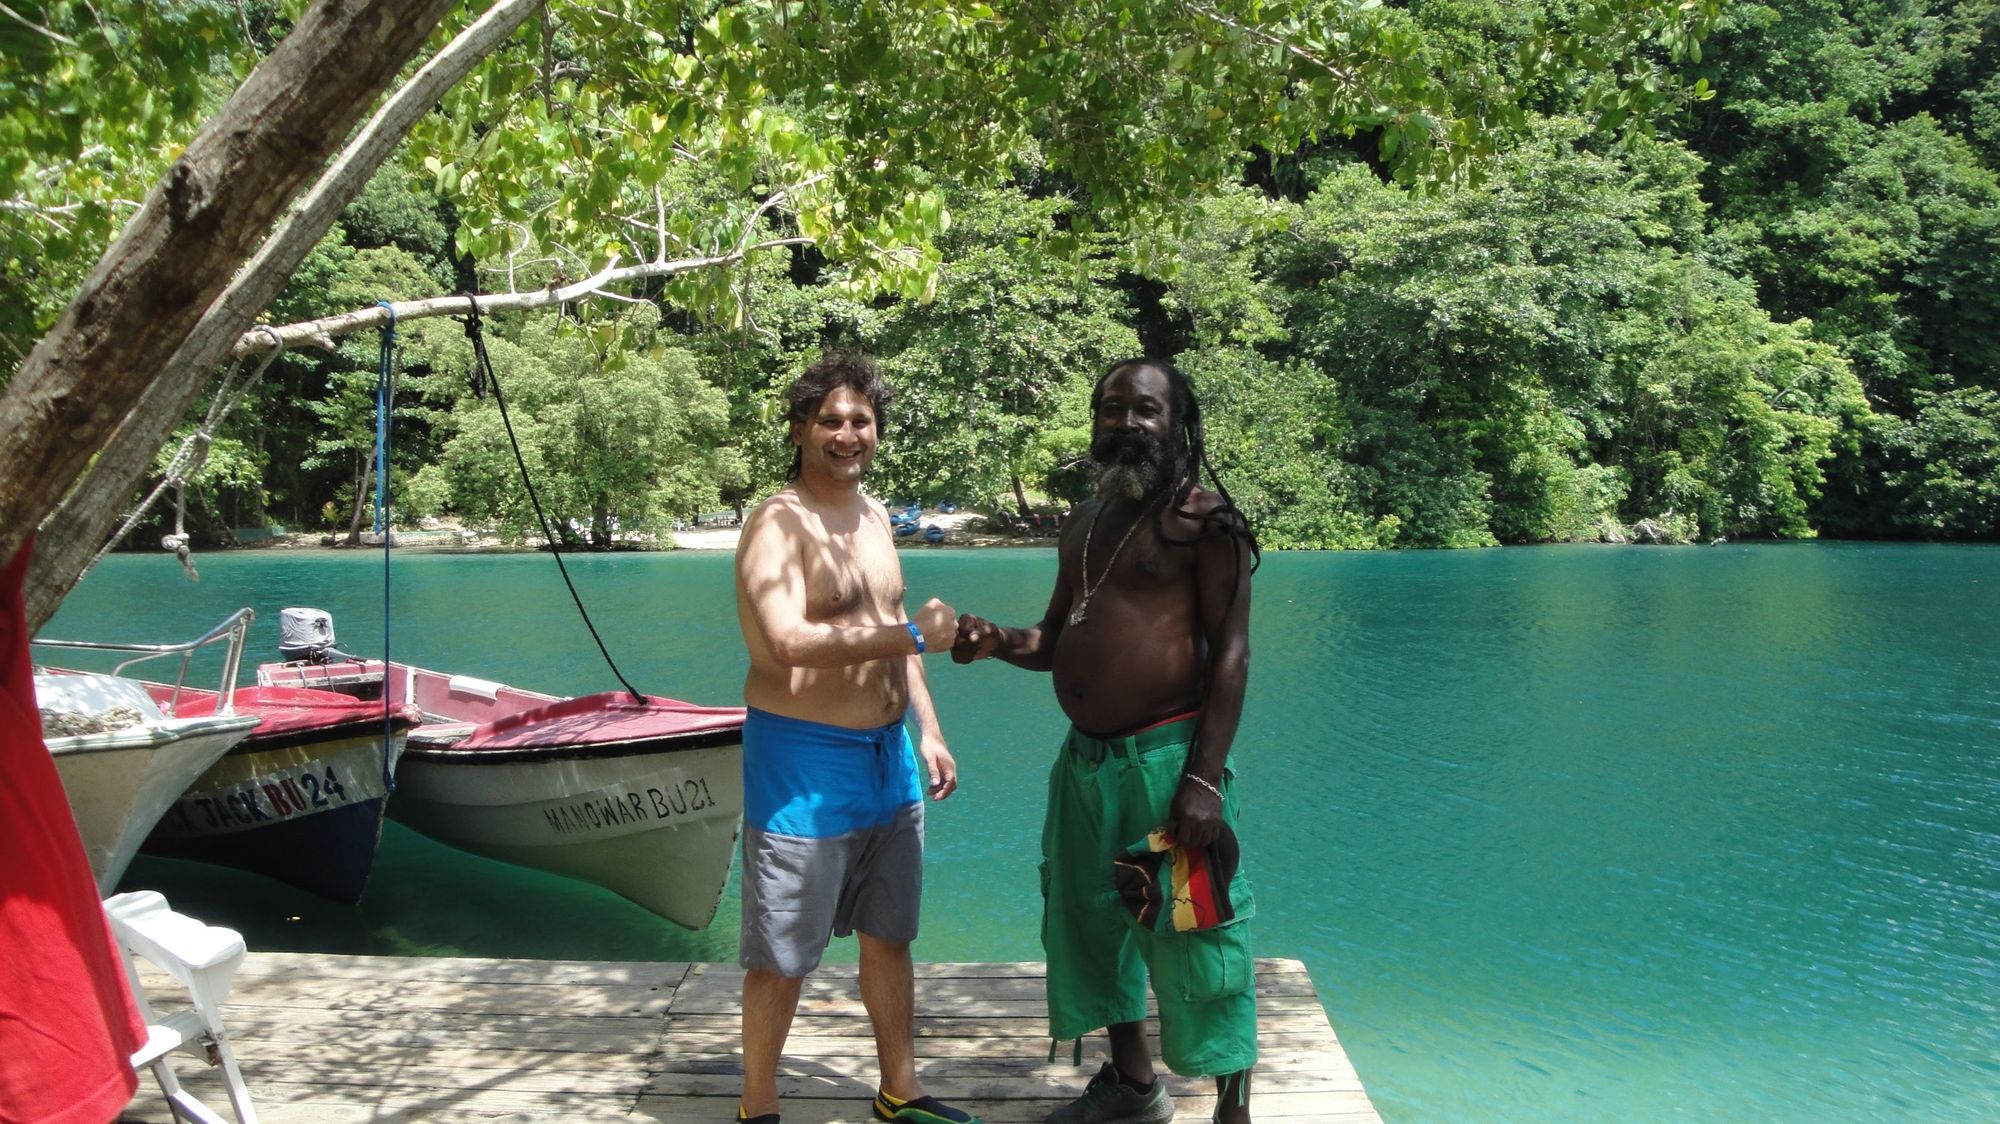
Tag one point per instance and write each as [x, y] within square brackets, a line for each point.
[961, 528]
[707, 538]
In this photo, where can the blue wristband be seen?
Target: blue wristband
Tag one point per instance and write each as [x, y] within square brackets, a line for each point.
[916, 634]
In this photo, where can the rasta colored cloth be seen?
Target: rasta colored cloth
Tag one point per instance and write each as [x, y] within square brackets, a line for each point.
[1166, 886]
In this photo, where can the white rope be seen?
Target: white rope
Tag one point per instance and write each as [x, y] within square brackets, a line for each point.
[178, 541]
[188, 459]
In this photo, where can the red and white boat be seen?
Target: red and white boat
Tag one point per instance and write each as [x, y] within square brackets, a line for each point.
[643, 796]
[301, 799]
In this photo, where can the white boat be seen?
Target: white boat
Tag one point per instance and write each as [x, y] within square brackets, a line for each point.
[640, 795]
[126, 763]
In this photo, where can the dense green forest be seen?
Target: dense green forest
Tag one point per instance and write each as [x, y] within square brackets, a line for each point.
[1746, 288]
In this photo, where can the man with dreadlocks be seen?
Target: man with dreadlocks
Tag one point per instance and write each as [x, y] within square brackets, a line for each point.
[1147, 635]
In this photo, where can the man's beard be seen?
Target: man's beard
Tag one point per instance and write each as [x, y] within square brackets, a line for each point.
[1133, 466]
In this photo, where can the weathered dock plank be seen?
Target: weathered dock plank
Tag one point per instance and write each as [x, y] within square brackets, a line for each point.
[341, 1039]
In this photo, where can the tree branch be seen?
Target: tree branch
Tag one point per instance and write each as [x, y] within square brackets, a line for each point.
[322, 332]
[660, 219]
[1345, 77]
[35, 27]
[776, 197]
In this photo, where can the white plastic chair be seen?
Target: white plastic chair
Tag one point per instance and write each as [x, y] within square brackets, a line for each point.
[204, 958]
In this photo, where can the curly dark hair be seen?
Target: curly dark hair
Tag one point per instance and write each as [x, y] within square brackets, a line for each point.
[836, 367]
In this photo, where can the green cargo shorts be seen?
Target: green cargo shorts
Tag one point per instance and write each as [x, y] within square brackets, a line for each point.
[1105, 795]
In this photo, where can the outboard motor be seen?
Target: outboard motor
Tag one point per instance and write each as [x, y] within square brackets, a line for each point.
[307, 635]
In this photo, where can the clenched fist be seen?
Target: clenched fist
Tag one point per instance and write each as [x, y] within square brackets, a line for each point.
[977, 639]
[935, 620]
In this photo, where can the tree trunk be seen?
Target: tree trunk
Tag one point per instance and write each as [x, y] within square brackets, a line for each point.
[364, 475]
[71, 536]
[600, 525]
[1020, 496]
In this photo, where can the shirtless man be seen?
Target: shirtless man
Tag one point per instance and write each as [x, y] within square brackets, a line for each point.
[1147, 634]
[833, 813]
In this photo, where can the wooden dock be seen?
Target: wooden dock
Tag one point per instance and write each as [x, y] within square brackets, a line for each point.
[338, 1039]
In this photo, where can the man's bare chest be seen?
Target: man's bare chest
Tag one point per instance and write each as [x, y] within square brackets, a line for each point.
[864, 580]
[1144, 567]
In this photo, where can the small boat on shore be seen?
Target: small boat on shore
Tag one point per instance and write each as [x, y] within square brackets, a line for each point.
[122, 758]
[641, 795]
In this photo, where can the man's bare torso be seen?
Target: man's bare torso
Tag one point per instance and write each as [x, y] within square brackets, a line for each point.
[847, 560]
[1136, 656]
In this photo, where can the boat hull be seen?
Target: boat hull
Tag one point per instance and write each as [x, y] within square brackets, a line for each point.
[658, 827]
[119, 784]
[307, 813]
[642, 795]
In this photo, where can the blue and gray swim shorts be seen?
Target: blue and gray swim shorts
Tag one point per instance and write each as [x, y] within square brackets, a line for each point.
[833, 838]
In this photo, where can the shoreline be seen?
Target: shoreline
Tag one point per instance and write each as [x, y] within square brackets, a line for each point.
[724, 539]
[962, 529]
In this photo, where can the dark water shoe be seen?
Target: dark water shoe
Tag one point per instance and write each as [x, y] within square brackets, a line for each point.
[923, 1110]
[1107, 1100]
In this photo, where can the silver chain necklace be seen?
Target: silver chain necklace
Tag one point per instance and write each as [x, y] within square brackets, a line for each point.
[1083, 602]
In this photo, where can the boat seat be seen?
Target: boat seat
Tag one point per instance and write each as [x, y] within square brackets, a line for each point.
[469, 685]
[204, 959]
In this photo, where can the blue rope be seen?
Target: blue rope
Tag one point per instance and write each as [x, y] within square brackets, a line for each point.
[384, 394]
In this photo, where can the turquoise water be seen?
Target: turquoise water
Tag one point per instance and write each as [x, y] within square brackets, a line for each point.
[1562, 833]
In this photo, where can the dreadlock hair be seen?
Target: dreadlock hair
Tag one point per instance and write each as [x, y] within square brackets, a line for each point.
[836, 367]
[1191, 456]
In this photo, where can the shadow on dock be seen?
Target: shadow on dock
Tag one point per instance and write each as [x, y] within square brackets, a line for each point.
[340, 1039]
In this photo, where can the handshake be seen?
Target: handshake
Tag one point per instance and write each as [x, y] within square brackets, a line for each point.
[971, 638]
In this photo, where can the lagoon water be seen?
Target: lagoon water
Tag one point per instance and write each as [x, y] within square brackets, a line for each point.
[1562, 833]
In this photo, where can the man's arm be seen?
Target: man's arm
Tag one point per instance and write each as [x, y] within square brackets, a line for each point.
[938, 761]
[1032, 648]
[774, 584]
[1222, 585]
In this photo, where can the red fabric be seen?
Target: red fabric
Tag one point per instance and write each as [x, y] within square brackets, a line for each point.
[1199, 892]
[1154, 875]
[68, 1024]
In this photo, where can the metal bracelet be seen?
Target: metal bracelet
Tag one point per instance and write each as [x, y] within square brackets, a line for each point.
[1202, 783]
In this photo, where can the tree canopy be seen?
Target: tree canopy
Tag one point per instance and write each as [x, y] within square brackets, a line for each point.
[1451, 272]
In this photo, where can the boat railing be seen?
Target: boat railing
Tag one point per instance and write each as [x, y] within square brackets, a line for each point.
[234, 631]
